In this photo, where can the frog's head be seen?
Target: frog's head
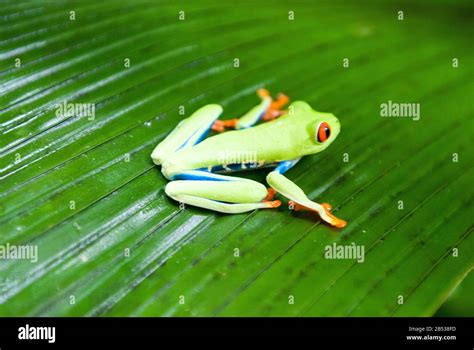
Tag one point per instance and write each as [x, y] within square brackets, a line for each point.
[321, 128]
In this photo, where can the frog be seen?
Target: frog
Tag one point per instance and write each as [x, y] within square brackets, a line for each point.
[199, 168]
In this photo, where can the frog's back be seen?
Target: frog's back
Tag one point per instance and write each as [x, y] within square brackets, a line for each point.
[265, 143]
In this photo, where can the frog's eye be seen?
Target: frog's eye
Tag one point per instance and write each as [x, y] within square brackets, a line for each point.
[323, 132]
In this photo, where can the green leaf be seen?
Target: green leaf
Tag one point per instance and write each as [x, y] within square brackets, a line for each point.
[85, 192]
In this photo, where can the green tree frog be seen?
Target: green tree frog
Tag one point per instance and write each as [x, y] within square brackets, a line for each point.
[197, 167]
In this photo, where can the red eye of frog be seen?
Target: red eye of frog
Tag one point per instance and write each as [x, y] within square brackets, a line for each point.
[324, 131]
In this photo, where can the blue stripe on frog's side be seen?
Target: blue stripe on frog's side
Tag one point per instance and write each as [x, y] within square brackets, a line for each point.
[283, 167]
[200, 175]
[229, 168]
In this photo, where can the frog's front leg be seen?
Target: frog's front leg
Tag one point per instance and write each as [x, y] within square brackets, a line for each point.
[298, 198]
[267, 110]
[220, 193]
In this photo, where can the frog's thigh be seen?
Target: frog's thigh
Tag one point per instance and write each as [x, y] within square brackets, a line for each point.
[189, 132]
[234, 196]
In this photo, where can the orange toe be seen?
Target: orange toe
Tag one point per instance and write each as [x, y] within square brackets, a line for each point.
[218, 126]
[221, 125]
[273, 204]
[280, 102]
[336, 222]
[262, 93]
[275, 108]
[231, 123]
[271, 114]
[271, 193]
[339, 223]
[327, 206]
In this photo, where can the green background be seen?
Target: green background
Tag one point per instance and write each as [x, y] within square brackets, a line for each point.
[86, 193]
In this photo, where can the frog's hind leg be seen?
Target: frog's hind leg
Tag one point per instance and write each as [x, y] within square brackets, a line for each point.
[187, 133]
[220, 193]
[298, 199]
[276, 108]
[266, 110]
